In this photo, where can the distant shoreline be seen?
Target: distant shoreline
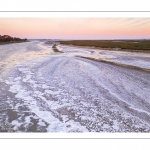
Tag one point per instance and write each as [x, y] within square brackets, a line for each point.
[4, 43]
[7, 39]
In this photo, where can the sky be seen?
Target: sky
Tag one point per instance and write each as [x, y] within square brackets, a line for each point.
[76, 28]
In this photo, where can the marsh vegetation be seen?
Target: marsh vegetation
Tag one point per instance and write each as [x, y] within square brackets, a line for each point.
[140, 45]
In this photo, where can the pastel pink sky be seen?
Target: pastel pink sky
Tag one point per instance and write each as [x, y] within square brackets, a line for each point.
[76, 28]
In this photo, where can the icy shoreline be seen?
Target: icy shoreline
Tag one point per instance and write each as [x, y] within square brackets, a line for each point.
[122, 58]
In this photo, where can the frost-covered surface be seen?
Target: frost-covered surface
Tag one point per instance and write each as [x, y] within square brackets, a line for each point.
[58, 92]
[130, 58]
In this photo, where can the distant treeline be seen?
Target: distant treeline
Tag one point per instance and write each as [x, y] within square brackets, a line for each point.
[7, 38]
[123, 44]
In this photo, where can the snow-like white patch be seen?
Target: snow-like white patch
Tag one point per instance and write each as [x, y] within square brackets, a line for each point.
[41, 123]
[16, 124]
[44, 86]
[14, 88]
[18, 78]
[52, 92]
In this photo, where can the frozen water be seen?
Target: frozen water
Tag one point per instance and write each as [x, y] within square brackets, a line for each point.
[52, 92]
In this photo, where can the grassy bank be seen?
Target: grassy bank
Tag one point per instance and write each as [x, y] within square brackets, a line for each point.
[140, 45]
[116, 63]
